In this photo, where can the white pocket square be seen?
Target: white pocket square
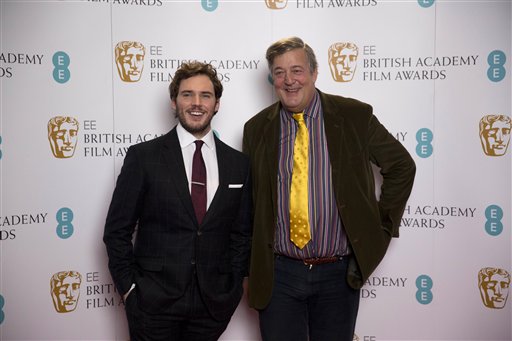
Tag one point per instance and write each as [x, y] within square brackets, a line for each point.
[235, 185]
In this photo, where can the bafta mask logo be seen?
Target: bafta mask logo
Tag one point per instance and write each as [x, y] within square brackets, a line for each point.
[63, 136]
[494, 284]
[65, 290]
[495, 134]
[276, 4]
[343, 61]
[130, 60]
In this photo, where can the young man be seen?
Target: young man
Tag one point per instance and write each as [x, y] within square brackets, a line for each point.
[188, 193]
[319, 231]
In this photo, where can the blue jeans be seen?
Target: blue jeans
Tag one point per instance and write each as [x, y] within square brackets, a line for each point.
[310, 303]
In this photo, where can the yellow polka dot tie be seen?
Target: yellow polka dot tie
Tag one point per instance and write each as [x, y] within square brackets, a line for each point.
[300, 233]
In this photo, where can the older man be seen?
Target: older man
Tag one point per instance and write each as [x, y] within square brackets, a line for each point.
[319, 230]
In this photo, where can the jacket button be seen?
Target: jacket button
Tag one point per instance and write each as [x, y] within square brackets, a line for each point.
[193, 262]
[199, 233]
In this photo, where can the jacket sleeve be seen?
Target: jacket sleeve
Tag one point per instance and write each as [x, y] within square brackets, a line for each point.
[121, 221]
[241, 234]
[397, 169]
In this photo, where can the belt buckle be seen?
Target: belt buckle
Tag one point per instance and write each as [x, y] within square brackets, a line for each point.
[319, 260]
[310, 262]
[307, 264]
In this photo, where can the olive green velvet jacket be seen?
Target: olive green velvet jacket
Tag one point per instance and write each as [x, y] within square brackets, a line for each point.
[355, 140]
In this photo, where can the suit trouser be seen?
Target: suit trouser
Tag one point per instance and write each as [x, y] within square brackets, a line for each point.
[312, 303]
[187, 320]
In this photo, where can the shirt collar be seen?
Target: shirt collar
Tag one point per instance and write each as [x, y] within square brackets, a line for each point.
[312, 109]
[186, 138]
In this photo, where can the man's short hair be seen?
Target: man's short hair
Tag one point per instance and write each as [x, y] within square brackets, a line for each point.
[192, 69]
[287, 44]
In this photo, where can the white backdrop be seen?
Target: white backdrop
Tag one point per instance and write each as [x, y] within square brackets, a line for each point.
[432, 70]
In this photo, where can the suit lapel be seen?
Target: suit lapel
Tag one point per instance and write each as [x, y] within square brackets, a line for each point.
[223, 165]
[174, 160]
[334, 132]
[271, 136]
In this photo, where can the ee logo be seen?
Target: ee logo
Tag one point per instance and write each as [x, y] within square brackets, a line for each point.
[496, 61]
[2, 314]
[424, 294]
[210, 5]
[493, 224]
[65, 227]
[424, 137]
[61, 62]
[426, 3]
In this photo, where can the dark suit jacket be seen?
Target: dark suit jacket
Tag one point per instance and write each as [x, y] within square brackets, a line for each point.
[355, 139]
[152, 192]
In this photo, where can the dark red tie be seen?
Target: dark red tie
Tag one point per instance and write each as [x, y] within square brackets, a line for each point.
[198, 190]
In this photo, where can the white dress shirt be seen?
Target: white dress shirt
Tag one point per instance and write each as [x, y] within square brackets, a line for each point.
[210, 159]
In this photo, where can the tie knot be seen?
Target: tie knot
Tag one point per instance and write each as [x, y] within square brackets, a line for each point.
[299, 117]
[199, 144]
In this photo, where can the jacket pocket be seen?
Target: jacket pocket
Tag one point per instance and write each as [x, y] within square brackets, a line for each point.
[225, 268]
[150, 263]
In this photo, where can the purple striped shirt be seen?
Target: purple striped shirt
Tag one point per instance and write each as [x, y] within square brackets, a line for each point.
[328, 236]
